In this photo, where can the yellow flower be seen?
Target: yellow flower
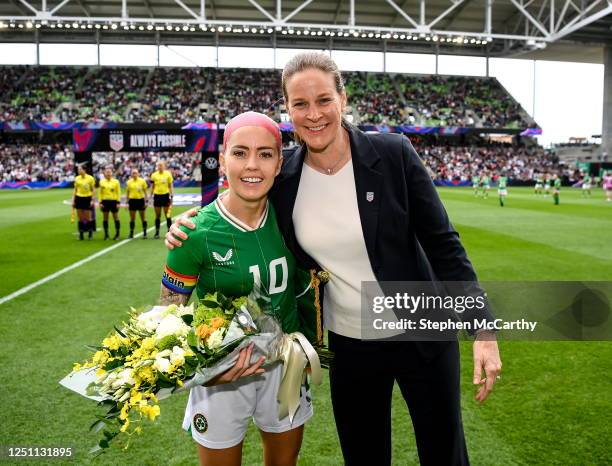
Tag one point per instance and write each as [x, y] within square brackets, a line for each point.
[113, 342]
[150, 411]
[146, 373]
[101, 357]
[125, 425]
[148, 343]
[154, 412]
[76, 367]
[136, 397]
[100, 372]
[123, 415]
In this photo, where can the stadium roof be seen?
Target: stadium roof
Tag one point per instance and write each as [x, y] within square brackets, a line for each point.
[566, 30]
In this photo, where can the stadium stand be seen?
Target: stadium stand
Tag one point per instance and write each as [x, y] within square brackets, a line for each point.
[181, 95]
[28, 162]
[173, 95]
[31, 162]
[375, 98]
[37, 93]
[518, 163]
[107, 92]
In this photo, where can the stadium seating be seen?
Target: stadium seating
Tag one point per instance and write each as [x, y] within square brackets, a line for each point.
[29, 162]
[460, 163]
[180, 95]
[375, 98]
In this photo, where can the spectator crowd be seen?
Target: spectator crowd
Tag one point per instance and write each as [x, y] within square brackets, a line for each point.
[27, 162]
[182, 95]
[55, 162]
[461, 163]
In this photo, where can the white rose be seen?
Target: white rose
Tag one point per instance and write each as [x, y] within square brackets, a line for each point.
[147, 323]
[161, 364]
[215, 339]
[185, 310]
[171, 325]
[178, 356]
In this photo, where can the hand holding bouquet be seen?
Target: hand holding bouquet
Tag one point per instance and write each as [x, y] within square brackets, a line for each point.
[173, 348]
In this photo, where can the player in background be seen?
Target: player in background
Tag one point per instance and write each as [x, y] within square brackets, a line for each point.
[607, 185]
[475, 184]
[110, 196]
[539, 185]
[162, 192]
[586, 185]
[485, 183]
[556, 188]
[136, 193]
[502, 189]
[547, 183]
[83, 200]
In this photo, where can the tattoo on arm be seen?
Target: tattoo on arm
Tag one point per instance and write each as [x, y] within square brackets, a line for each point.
[167, 297]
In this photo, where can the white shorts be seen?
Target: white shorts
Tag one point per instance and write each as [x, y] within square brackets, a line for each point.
[586, 186]
[502, 192]
[218, 416]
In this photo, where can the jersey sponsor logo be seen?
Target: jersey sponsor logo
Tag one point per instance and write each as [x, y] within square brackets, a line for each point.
[177, 282]
[369, 196]
[224, 260]
[200, 423]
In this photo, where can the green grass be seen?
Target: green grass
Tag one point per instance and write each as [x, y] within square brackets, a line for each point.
[551, 407]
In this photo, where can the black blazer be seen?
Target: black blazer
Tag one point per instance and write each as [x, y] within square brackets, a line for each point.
[407, 232]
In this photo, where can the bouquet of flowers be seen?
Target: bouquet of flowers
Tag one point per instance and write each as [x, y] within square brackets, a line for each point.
[172, 348]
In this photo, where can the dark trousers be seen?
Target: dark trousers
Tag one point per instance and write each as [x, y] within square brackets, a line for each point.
[362, 377]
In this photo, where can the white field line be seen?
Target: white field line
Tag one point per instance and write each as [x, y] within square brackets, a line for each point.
[60, 272]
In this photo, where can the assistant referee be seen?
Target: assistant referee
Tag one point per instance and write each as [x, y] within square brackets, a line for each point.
[136, 192]
[83, 200]
[162, 191]
[110, 196]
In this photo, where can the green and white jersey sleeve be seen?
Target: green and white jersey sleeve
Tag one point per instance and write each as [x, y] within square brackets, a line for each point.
[223, 254]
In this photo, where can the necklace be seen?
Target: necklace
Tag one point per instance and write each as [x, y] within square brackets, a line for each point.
[331, 170]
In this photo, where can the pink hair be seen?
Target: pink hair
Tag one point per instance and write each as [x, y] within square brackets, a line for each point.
[253, 119]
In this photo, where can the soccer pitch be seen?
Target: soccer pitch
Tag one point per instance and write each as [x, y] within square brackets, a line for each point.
[552, 405]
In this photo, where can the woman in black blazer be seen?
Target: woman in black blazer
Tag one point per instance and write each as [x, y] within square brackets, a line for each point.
[362, 207]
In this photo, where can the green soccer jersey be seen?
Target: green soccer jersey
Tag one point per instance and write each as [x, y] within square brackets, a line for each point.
[502, 182]
[222, 254]
[586, 179]
[475, 180]
[485, 181]
[557, 183]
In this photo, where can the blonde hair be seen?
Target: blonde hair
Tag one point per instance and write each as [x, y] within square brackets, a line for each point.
[308, 61]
